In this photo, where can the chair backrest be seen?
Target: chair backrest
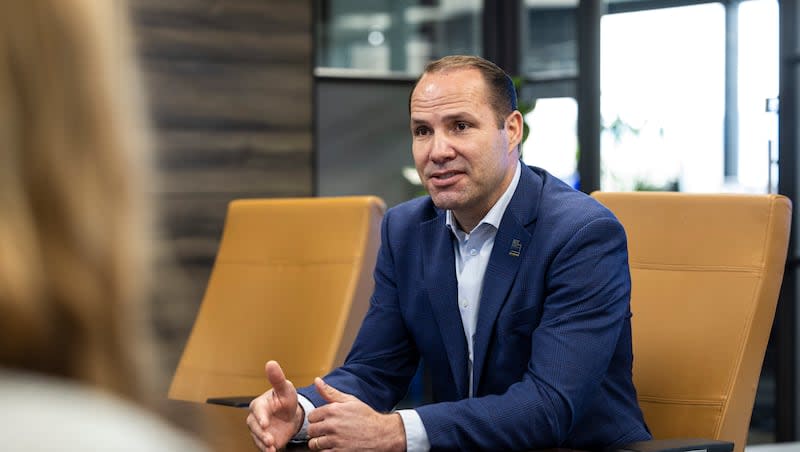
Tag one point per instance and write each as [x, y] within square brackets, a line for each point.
[706, 271]
[291, 282]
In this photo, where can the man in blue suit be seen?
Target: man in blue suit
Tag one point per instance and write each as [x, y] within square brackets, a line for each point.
[513, 287]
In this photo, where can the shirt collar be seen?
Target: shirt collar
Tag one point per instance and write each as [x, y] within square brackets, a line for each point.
[495, 214]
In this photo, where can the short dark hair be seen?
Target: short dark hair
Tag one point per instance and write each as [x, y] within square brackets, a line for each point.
[501, 91]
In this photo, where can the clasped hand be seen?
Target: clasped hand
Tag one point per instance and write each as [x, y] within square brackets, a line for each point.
[344, 423]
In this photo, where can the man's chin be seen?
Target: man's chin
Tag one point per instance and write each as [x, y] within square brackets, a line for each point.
[445, 201]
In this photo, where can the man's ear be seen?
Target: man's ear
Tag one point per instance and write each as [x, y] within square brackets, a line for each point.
[513, 127]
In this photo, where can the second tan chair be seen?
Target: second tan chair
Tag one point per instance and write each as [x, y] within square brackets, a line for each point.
[706, 271]
[291, 282]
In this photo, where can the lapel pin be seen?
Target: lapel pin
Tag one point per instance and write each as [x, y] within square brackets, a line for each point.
[516, 248]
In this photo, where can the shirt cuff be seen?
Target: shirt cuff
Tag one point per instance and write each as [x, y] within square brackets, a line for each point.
[416, 436]
[307, 407]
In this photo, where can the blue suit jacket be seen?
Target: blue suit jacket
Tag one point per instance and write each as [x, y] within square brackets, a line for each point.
[552, 348]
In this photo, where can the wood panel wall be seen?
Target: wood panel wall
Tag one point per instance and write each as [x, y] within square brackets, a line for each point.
[230, 88]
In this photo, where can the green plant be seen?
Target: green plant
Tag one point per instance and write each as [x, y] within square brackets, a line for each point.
[524, 107]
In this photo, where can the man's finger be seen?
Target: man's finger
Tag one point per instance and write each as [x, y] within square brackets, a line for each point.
[258, 442]
[277, 379]
[258, 408]
[329, 393]
[262, 439]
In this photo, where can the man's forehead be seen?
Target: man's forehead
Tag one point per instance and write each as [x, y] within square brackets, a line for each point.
[453, 88]
[444, 109]
[461, 75]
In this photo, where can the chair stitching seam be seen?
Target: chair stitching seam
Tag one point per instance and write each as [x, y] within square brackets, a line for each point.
[678, 267]
[664, 401]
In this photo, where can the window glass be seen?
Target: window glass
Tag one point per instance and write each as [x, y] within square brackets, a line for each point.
[758, 83]
[552, 143]
[663, 99]
[550, 46]
[393, 37]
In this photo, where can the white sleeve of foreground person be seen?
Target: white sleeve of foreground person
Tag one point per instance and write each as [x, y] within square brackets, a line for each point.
[41, 414]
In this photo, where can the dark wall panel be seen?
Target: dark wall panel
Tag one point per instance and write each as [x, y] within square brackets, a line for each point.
[230, 88]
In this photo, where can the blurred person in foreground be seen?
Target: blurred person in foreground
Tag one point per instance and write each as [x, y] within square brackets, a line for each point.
[74, 233]
[511, 286]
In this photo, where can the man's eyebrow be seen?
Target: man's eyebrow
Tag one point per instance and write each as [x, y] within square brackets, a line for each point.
[459, 116]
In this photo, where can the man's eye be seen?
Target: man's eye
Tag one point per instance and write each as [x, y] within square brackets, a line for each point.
[421, 131]
[461, 126]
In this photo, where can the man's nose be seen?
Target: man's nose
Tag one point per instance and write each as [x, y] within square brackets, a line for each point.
[442, 150]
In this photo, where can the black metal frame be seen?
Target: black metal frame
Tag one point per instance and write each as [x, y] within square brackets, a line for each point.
[589, 117]
[785, 326]
[502, 33]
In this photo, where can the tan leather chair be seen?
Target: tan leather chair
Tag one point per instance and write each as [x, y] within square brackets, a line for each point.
[706, 271]
[291, 282]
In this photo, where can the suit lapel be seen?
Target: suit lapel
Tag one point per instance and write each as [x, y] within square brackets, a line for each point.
[440, 281]
[510, 245]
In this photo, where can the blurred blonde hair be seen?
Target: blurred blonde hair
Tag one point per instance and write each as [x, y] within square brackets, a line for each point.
[74, 217]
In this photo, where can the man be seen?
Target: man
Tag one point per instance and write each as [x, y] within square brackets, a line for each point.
[513, 288]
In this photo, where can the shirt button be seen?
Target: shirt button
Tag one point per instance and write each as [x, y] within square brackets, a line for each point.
[464, 303]
[473, 252]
